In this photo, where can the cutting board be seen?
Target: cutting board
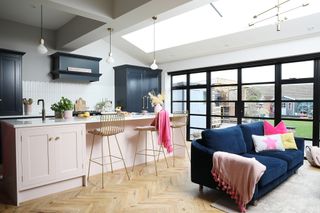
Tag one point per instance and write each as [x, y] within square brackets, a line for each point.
[80, 105]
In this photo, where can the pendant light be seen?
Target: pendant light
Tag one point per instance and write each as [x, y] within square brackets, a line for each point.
[110, 59]
[41, 48]
[154, 66]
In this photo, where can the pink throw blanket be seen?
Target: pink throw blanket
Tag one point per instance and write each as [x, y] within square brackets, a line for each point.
[162, 123]
[237, 176]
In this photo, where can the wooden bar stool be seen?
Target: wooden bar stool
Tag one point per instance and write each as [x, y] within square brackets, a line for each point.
[110, 125]
[149, 151]
[179, 121]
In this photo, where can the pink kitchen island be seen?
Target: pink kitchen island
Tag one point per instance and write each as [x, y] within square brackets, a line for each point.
[45, 157]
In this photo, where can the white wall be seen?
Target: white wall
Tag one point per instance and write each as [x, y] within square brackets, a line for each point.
[290, 48]
[37, 82]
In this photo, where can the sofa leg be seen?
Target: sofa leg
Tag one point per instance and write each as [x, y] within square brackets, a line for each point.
[255, 203]
[201, 188]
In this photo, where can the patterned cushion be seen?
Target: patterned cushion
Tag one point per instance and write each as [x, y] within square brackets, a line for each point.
[267, 142]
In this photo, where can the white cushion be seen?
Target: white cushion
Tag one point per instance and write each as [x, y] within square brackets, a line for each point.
[267, 142]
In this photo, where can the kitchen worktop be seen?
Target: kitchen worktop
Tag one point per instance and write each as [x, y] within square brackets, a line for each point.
[37, 122]
[22, 116]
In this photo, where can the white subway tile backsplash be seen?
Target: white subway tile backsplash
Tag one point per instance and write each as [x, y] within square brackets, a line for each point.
[51, 92]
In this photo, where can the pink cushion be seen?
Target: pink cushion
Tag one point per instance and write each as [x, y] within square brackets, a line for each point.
[270, 130]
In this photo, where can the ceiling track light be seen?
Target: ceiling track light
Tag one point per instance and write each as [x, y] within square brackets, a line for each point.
[110, 59]
[277, 15]
[42, 48]
[154, 65]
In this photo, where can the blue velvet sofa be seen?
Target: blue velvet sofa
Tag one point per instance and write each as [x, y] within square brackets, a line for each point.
[237, 139]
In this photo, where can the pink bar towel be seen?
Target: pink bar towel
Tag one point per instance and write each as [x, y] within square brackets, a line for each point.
[237, 176]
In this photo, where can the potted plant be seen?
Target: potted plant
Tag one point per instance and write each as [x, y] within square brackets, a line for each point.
[58, 111]
[27, 105]
[67, 107]
[63, 108]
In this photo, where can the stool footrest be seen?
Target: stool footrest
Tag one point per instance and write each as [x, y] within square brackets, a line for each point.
[94, 160]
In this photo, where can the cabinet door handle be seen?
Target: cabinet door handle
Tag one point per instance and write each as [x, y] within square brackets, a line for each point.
[50, 139]
[57, 138]
[143, 102]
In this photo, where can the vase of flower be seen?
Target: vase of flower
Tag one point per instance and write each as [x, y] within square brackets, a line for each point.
[27, 109]
[157, 108]
[156, 101]
[27, 106]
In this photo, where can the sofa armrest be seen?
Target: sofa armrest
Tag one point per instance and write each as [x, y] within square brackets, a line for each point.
[201, 164]
[300, 143]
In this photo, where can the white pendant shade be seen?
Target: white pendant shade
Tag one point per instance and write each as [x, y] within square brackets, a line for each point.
[110, 59]
[154, 66]
[41, 48]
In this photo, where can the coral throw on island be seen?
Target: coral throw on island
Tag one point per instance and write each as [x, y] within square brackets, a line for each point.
[162, 124]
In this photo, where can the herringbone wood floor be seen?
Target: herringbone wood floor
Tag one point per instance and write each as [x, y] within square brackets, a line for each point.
[170, 191]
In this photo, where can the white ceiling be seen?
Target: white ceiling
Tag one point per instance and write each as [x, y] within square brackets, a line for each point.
[58, 12]
[28, 12]
[303, 27]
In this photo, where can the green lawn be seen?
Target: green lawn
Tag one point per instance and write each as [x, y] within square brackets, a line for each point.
[303, 128]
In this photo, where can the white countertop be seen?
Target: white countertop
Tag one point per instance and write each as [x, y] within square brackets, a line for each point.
[37, 122]
[21, 116]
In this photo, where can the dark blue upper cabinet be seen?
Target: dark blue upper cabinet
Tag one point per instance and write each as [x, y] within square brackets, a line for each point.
[73, 67]
[132, 85]
[10, 82]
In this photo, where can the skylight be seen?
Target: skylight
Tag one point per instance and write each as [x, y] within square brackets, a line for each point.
[204, 22]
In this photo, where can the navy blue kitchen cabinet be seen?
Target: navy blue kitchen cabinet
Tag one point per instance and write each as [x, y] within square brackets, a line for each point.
[132, 85]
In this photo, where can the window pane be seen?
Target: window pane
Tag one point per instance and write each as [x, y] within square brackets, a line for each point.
[198, 121]
[224, 93]
[224, 77]
[198, 108]
[258, 92]
[252, 120]
[223, 108]
[198, 94]
[296, 70]
[301, 128]
[297, 91]
[195, 133]
[198, 78]
[258, 74]
[179, 95]
[179, 106]
[221, 122]
[298, 110]
[259, 109]
[179, 80]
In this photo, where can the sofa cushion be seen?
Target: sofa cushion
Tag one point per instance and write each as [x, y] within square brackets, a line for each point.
[267, 142]
[227, 139]
[275, 168]
[292, 157]
[289, 141]
[251, 129]
[269, 129]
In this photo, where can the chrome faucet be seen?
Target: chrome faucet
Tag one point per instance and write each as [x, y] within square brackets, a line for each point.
[43, 112]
